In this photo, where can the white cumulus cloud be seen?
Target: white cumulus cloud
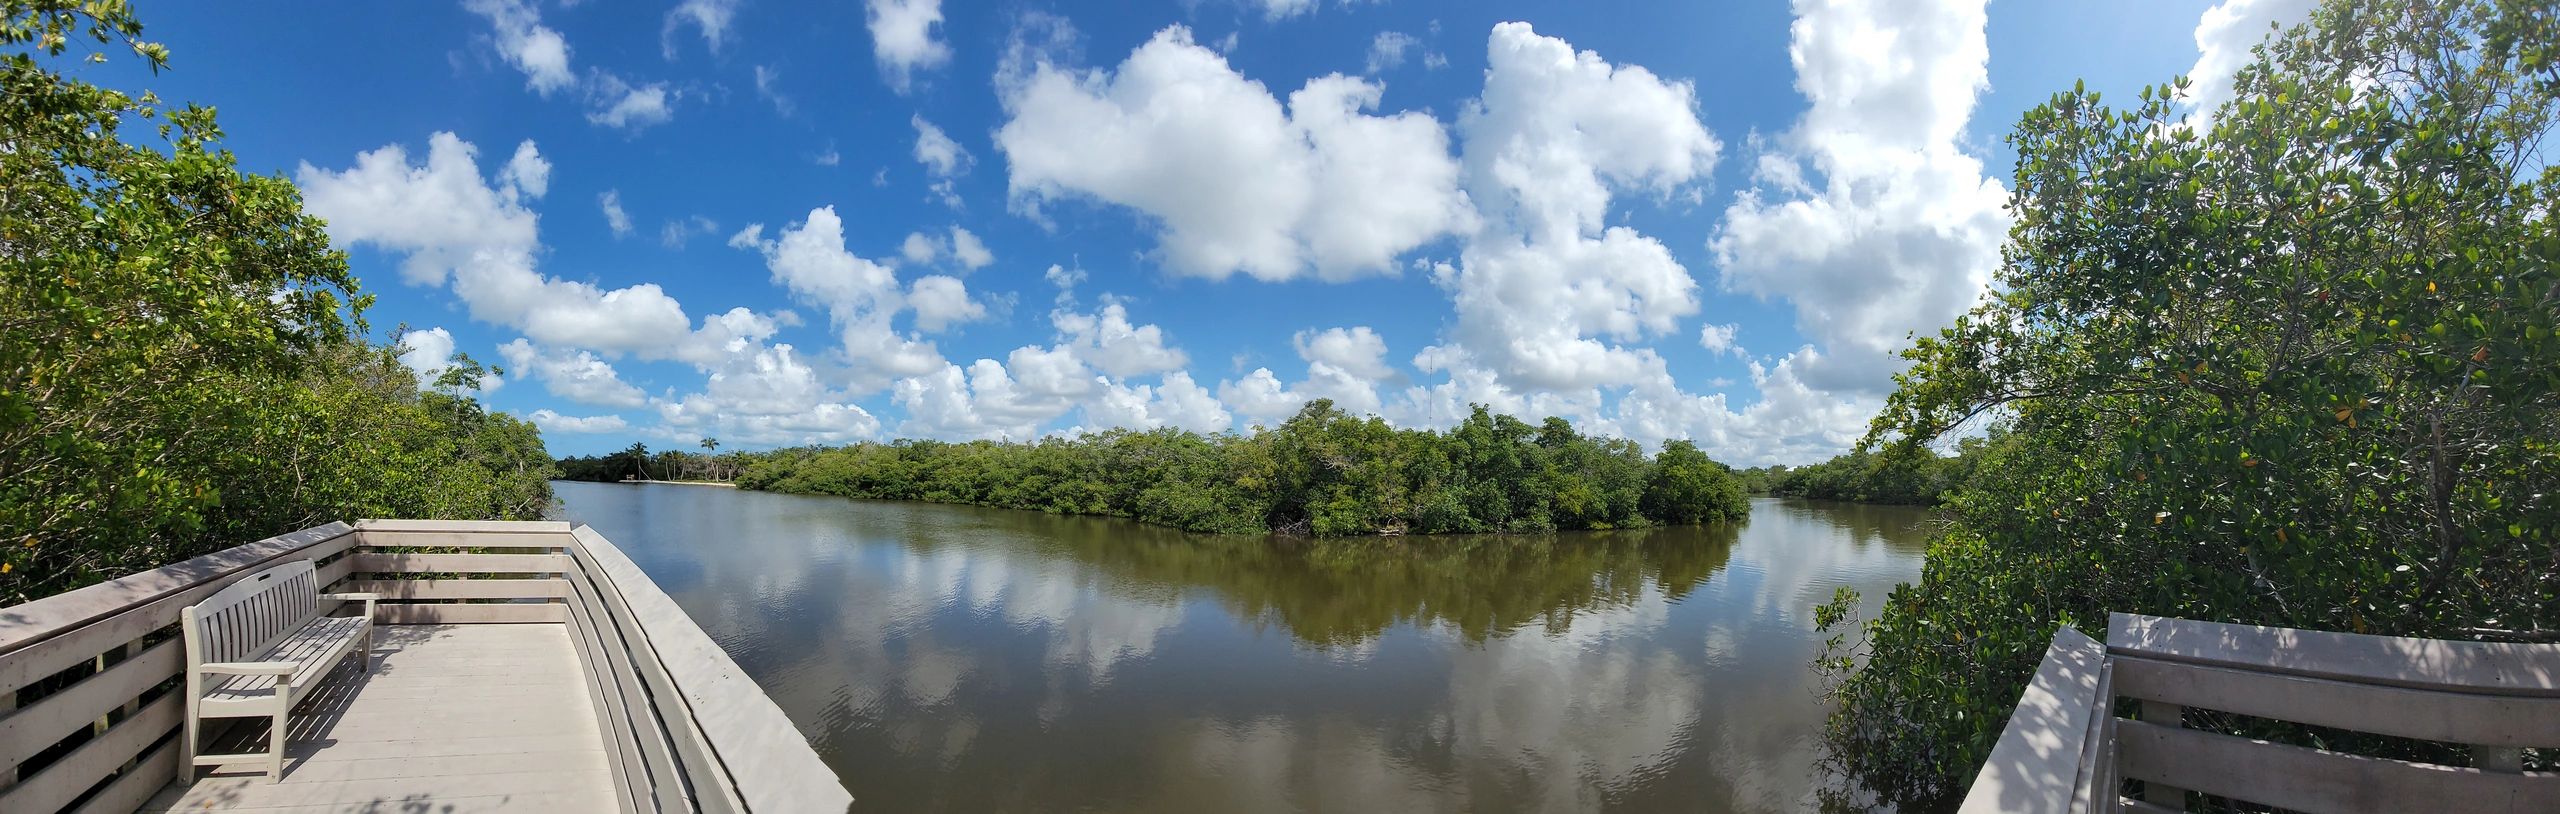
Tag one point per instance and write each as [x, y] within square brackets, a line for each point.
[1238, 181]
[533, 48]
[550, 421]
[2225, 36]
[1870, 218]
[455, 228]
[576, 375]
[903, 39]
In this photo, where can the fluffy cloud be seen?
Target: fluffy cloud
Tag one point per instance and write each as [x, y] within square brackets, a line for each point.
[554, 422]
[575, 375]
[962, 248]
[1260, 398]
[2225, 35]
[456, 228]
[968, 251]
[941, 301]
[903, 39]
[1176, 401]
[1547, 296]
[614, 218]
[1386, 50]
[1090, 365]
[1718, 339]
[862, 297]
[1869, 217]
[526, 172]
[622, 105]
[1238, 181]
[766, 394]
[429, 353]
[711, 17]
[541, 53]
[983, 401]
[1346, 365]
[1107, 340]
[944, 159]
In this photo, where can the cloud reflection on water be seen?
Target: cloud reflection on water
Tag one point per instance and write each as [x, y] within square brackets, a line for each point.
[963, 659]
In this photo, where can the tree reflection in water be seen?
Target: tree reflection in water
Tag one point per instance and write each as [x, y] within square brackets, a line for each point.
[968, 659]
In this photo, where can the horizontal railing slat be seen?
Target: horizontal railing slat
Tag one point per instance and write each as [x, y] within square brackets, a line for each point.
[2303, 779]
[438, 613]
[389, 563]
[2453, 717]
[770, 762]
[135, 787]
[31, 728]
[551, 526]
[393, 589]
[627, 649]
[379, 538]
[2427, 664]
[56, 633]
[622, 754]
[63, 781]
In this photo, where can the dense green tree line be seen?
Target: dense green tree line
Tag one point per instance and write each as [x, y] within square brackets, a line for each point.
[1912, 475]
[1324, 473]
[183, 362]
[2299, 367]
[638, 463]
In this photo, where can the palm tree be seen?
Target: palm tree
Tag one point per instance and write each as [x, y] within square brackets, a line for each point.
[711, 445]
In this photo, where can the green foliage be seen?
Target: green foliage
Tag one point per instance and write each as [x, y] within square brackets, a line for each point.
[182, 365]
[2297, 370]
[1322, 473]
[1688, 487]
[1900, 473]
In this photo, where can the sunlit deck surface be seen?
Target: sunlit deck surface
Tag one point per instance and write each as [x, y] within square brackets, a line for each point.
[454, 718]
[517, 666]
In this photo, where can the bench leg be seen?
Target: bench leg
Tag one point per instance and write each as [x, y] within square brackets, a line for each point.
[275, 748]
[365, 656]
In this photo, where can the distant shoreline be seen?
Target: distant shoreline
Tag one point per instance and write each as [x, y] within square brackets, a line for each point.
[668, 482]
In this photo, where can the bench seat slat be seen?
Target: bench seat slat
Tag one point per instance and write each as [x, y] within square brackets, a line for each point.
[312, 649]
[275, 617]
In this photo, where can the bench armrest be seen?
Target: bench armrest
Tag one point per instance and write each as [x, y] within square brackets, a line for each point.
[368, 598]
[249, 668]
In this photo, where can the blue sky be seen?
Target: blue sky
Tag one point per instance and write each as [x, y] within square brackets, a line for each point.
[778, 223]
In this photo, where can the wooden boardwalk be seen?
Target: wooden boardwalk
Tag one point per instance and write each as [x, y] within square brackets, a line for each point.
[454, 719]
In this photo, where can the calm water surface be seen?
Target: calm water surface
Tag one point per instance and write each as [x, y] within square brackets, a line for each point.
[964, 659]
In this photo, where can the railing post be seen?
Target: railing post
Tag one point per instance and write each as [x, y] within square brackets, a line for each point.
[2159, 794]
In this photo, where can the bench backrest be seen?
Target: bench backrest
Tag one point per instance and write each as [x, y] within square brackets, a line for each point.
[245, 617]
[2498, 698]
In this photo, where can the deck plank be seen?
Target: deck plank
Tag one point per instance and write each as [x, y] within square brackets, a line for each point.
[455, 718]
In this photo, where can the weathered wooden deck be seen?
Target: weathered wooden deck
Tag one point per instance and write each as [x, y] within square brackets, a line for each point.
[2066, 749]
[454, 718]
[517, 667]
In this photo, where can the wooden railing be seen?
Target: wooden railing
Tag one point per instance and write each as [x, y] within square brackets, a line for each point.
[89, 714]
[2066, 750]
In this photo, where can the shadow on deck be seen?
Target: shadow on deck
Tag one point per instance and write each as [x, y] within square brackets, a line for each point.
[454, 718]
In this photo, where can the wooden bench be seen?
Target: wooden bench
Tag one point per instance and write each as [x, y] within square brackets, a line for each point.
[258, 647]
[2066, 750]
